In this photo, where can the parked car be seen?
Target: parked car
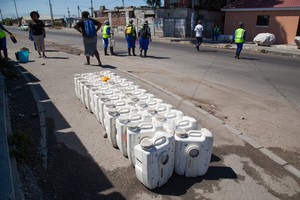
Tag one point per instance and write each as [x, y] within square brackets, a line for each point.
[48, 24]
[24, 27]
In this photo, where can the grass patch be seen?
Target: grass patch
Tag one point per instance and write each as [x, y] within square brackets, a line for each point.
[22, 145]
[228, 46]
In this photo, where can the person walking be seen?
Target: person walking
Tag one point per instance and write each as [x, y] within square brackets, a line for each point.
[86, 26]
[37, 28]
[131, 37]
[3, 45]
[199, 34]
[144, 38]
[239, 38]
[216, 33]
[107, 36]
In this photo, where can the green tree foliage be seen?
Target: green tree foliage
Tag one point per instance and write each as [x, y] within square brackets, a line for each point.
[7, 22]
[153, 3]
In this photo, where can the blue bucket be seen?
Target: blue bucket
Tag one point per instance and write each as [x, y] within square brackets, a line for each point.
[23, 56]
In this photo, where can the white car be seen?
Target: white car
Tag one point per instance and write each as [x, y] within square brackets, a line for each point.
[24, 27]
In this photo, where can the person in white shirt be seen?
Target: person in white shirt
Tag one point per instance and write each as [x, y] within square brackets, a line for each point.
[199, 34]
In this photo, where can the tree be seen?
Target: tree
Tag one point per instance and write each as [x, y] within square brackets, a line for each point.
[153, 3]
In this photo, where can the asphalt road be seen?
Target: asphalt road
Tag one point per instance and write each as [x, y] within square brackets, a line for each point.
[256, 95]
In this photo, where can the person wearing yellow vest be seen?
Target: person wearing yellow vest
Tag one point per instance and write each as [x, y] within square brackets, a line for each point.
[239, 38]
[131, 37]
[106, 36]
[3, 45]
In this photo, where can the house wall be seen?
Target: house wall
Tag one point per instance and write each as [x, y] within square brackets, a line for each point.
[283, 24]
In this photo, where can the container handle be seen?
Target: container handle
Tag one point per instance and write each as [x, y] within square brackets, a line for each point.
[160, 140]
[135, 117]
[195, 133]
[146, 126]
[183, 123]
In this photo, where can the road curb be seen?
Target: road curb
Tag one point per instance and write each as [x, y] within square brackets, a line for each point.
[6, 179]
[42, 116]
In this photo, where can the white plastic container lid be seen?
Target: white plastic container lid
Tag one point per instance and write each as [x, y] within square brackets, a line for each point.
[146, 143]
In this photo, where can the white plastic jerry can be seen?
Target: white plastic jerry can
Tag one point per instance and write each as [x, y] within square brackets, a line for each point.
[96, 96]
[149, 113]
[193, 152]
[93, 91]
[154, 102]
[172, 118]
[77, 77]
[86, 93]
[163, 108]
[145, 97]
[101, 101]
[154, 160]
[135, 133]
[187, 123]
[121, 137]
[138, 92]
[159, 121]
[130, 88]
[110, 124]
[141, 106]
[107, 112]
[121, 126]
[81, 89]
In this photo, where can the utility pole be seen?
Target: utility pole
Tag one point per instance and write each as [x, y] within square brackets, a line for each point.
[78, 10]
[51, 13]
[123, 3]
[92, 10]
[68, 13]
[1, 15]
[16, 12]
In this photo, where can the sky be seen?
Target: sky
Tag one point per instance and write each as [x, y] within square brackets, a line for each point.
[59, 7]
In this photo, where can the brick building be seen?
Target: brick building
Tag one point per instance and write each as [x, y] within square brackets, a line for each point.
[278, 17]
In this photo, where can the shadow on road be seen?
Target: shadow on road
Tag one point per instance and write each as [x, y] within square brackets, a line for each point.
[179, 185]
[56, 57]
[108, 67]
[245, 58]
[69, 174]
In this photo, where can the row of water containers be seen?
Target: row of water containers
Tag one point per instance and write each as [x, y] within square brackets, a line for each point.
[156, 138]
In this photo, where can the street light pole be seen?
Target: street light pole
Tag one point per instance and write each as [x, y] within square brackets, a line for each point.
[16, 12]
[92, 12]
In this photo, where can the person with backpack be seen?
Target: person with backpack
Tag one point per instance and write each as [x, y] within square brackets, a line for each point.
[239, 38]
[37, 29]
[106, 36]
[130, 34]
[144, 38]
[3, 45]
[86, 26]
